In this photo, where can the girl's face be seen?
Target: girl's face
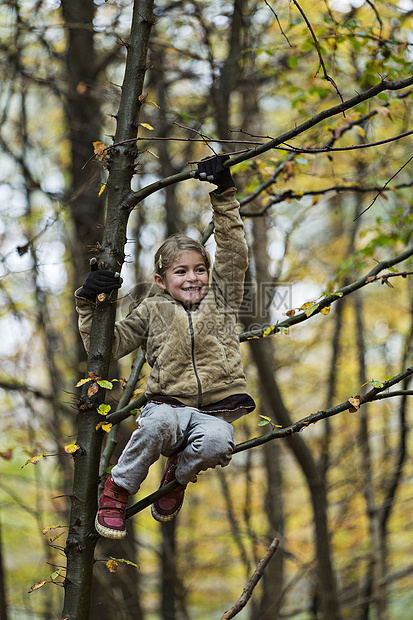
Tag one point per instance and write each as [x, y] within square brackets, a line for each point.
[186, 279]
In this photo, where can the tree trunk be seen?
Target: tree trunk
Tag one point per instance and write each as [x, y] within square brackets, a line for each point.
[82, 539]
[84, 119]
[3, 602]
[326, 582]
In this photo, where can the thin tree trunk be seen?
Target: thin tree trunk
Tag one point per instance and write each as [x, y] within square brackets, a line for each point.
[168, 568]
[326, 582]
[376, 578]
[3, 602]
[81, 539]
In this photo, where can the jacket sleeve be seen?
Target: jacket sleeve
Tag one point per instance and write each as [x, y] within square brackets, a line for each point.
[231, 255]
[129, 333]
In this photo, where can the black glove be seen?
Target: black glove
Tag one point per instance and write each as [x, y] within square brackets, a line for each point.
[100, 281]
[211, 169]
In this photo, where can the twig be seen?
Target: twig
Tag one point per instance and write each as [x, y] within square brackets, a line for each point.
[206, 139]
[321, 61]
[352, 147]
[258, 573]
[278, 22]
[383, 188]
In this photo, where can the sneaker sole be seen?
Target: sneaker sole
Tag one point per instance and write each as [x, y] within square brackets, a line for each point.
[107, 532]
[163, 518]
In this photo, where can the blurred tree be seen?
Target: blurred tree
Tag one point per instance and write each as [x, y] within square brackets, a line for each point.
[214, 67]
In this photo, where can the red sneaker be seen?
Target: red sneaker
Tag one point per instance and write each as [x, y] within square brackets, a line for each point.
[166, 508]
[110, 518]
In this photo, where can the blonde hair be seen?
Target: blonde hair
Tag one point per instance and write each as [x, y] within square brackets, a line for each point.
[173, 247]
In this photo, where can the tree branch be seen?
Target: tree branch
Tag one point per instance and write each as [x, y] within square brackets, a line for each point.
[258, 573]
[374, 394]
[327, 300]
[133, 198]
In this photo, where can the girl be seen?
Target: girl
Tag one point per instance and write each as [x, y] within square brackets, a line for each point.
[196, 386]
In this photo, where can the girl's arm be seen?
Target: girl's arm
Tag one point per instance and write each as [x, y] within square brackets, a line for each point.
[129, 333]
[231, 258]
[231, 255]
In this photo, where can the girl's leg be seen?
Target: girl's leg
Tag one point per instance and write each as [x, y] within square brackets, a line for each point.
[210, 442]
[160, 430]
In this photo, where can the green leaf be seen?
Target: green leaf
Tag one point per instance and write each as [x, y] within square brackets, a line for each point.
[263, 422]
[105, 384]
[309, 311]
[377, 384]
[292, 62]
[104, 409]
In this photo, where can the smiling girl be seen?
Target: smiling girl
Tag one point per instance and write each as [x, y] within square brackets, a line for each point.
[196, 386]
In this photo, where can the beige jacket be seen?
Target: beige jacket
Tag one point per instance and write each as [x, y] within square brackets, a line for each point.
[194, 353]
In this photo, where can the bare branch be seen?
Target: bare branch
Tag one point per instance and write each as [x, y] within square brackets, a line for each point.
[321, 61]
[383, 188]
[351, 147]
[258, 573]
[278, 22]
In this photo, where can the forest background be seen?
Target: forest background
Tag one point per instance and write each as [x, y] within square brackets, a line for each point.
[337, 495]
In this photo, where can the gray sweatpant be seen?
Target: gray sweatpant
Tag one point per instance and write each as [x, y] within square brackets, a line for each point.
[205, 440]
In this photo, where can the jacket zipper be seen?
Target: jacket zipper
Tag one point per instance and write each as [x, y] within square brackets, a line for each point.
[192, 334]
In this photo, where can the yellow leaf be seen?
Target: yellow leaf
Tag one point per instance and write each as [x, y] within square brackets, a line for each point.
[147, 126]
[112, 565]
[102, 189]
[36, 586]
[316, 199]
[267, 332]
[71, 447]
[82, 382]
[105, 426]
[306, 305]
[34, 460]
[152, 153]
[100, 150]
[325, 310]
[154, 103]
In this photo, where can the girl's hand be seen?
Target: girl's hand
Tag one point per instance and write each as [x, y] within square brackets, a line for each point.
[100, 281]
[211, 169]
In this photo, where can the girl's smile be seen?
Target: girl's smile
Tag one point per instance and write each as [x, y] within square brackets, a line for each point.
[187, 279]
